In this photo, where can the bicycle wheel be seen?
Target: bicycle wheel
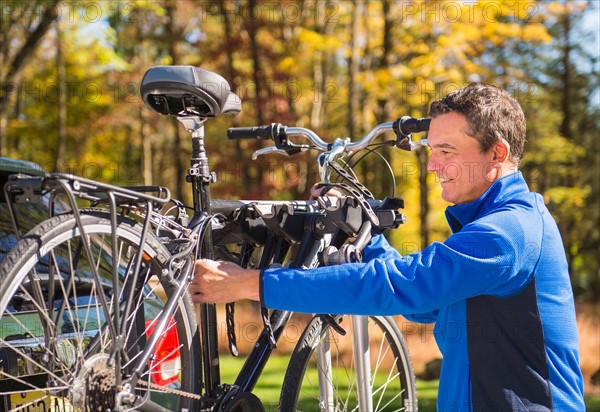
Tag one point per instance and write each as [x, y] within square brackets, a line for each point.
[56, 346]
[322, 374]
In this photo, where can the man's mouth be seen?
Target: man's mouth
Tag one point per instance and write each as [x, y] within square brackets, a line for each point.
[445, 180]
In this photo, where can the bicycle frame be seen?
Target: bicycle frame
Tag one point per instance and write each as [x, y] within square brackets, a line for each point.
[176, 91]
[201, 177]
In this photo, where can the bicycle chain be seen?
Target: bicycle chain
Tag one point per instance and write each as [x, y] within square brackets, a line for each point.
[175, 391]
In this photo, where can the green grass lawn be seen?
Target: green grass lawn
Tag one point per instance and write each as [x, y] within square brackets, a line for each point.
[269, 384]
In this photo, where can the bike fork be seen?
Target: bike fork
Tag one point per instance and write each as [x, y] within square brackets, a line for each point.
[362, 362]
[325, 374]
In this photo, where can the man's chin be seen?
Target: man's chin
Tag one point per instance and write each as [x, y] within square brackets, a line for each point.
[448, 198]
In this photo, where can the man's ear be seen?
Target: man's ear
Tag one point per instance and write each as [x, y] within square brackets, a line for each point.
[501, 151]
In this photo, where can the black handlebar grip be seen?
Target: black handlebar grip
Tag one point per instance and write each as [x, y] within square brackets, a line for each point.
[407, 125]
[268, 132]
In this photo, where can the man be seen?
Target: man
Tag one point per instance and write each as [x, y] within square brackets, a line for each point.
[498, 288]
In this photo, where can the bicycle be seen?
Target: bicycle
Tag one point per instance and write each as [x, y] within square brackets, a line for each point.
[82, 324]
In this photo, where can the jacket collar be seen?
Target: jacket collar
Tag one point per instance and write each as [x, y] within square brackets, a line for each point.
[498, 193]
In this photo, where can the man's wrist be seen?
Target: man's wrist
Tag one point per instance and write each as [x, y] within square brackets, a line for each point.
[252, 284]
[261, 288]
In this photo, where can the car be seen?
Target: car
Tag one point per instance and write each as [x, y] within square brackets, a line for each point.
[22, 335]
[28, 214]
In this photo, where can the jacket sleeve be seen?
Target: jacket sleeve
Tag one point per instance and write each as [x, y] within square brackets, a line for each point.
[379, 248]
[480, 259]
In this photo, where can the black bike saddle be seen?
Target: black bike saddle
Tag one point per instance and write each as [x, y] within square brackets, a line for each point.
[188, 91]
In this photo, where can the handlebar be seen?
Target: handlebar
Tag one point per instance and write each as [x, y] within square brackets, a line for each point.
[274, 131]
[402, 127]
[407, 125]
[269, 132]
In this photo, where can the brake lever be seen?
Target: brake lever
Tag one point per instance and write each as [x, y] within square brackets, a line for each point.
[408, 144]
[415, 145]
[267, 150]
[286, 151]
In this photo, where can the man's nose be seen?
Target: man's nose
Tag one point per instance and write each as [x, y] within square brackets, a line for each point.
[433, 165]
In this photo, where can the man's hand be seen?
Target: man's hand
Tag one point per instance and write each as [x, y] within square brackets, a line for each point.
[222, 282]
[317, 188]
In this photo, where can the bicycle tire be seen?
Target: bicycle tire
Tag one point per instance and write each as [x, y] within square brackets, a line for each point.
[38, 368]
[394, 390]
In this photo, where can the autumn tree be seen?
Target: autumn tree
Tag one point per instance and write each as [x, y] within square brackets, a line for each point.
[22, 26]
[563, 158]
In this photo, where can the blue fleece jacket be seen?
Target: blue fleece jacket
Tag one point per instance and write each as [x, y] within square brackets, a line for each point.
[498, 289]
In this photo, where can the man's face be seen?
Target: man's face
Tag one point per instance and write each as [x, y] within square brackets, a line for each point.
[457, 160]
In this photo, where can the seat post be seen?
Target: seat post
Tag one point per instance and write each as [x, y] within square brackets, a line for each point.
[199, 173]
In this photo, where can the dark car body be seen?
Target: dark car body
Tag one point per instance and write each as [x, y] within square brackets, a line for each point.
[22, 330]
[28, 214]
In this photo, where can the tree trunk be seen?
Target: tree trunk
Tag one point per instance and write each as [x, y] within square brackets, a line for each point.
[16, 66]
[10, 72]
[62, 101]
[173, 37]
[321, 66]
[232, 77]
[320, 72]
[383, 113]
[353, 66]
[252, 28]
[567, 119]
[565, 127]
[422, 157]
[256, 186]
[146, 149]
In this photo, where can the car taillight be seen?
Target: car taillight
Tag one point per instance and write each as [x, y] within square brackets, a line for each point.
[166, 365]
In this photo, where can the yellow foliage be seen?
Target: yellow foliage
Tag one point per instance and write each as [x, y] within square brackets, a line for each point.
[445, 40]
[454, 75]
[383, 76]
[536, 33]
[421, 62]
[469, 32]
[421, 48]
[557, 7]
[567, 197]
[310, 37]
[317, 41]
[287, 64]
[508, 29]
[401, 71]
[165, 60]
